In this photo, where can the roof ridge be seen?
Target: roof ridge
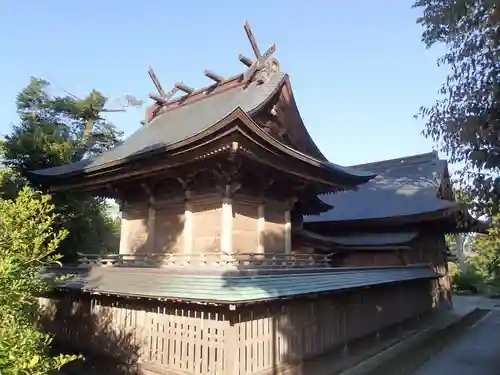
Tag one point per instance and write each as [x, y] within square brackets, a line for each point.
[401, 161]
[202, 94]
[257, 70]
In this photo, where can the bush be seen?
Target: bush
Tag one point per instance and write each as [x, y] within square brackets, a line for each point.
[467, 281]
[27, 244]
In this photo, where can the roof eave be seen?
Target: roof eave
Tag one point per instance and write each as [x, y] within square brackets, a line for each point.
[334, 173]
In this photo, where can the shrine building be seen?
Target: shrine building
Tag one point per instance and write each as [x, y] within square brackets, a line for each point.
[243, 249]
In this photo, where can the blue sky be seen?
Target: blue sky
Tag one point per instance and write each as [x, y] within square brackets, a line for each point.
[358, 68]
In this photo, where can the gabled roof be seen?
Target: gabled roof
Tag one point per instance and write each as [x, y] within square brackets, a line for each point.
[176, 125]
[184, 124]
[403, 187]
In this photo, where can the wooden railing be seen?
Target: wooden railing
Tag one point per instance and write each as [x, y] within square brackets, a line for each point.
[246, 260]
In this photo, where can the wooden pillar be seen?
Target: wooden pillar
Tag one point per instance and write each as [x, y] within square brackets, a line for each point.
[151, 224]
[188, 225]
[261, 224]
[288, 231]
[226, 235]
[124, 245]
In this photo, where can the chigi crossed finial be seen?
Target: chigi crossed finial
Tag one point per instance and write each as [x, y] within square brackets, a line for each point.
[262, 63]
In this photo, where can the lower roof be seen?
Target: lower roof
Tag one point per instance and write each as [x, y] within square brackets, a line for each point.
[403, 187]
[161, 284]
[363, 239]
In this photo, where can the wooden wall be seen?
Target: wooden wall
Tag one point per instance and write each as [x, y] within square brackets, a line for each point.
[134, 230]
[246, 226]
[274, 230]
[175, 338]
[168, 229]
[427, 247]
[206, 225]
[193, 225]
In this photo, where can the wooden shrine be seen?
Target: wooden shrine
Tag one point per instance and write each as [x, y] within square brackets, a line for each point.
[221, 269]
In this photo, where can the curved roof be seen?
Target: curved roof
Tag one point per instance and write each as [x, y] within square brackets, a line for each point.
[176, 125]
[185, 121]
[403, 187]
[374, 239]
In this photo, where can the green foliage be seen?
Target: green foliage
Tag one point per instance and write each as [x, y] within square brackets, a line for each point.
[487, 252]
[57, 130]
[467, 281]
[27, 243]
[465, 121]
[10, 183]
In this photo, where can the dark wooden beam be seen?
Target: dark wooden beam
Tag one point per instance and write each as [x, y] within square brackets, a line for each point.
[251, 38]
[246, 60]
[214, 77]
[172, 93]
[158, 99]
[156, 81]
[181, 86]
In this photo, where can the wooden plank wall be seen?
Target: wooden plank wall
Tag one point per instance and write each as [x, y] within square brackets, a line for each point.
[198, 339]
[269, 337]
[183, 338]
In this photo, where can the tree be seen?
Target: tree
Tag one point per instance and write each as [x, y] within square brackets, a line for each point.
[58, 130]
[465, 121]
[10, 184]
[487, 252]
[28, 242]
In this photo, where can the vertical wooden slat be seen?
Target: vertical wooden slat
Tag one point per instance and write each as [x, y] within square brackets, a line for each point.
[200, 339]
[205, 353]
[198, 342]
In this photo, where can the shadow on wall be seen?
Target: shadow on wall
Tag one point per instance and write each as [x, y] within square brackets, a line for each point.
[268, 333]
[106, 350]
[312, 334]
[165, 222]
[165, 218]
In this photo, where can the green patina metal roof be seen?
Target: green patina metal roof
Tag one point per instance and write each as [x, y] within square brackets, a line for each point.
[234, 289]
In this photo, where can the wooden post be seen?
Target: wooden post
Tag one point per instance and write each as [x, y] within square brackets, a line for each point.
[226, 237]
[152, 224]
[151, 218]
[288, 232]
[124, 245]
[261, 223]
[188, 225]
